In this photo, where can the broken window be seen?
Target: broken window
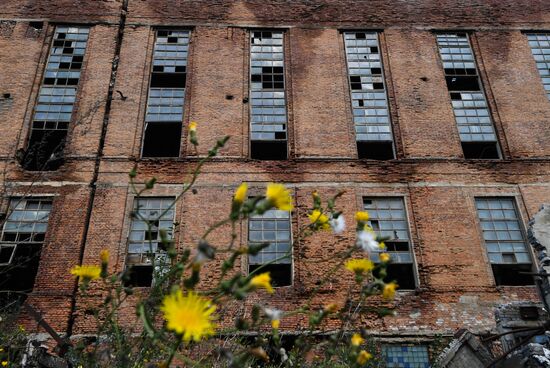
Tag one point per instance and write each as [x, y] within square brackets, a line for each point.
[368, 96]
[475, 127]
[268, 116]
[540, 47]
[22, 239]
[272, 227]
[504, 240]
[146, 256]
[387, 218]
[164, 116]
[405, 356]
[56, 98]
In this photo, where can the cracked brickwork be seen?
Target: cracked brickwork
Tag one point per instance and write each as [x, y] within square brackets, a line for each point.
[456, 286]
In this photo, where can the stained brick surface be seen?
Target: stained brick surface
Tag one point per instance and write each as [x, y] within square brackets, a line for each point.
[455, 284]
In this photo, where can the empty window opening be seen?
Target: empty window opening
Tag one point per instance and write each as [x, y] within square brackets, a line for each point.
[268, 111]
[56, 98]
[540, 47]
[146, 257]
[504, 241]
[480, 150]
[468, 100]
[387, 218]
[406, 356]
[375, 150]
[272, 227]
[37, 25]
[164, 116]
[22, 240]
[368, 96]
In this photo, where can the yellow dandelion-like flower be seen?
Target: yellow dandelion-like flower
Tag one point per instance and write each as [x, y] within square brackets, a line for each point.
[86, 273]
[319, 219]
[240, 193]
[357, 340]
[190, 315]
[359, 265]
[104, 256]
[192, 126]
[4, 363]
[275, 324]
[384, 257]
[389, 290]
[363, 357]
[362, 216]
[262, 281]
[279, 197]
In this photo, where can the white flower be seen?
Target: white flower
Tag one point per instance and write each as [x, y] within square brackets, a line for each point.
[338, 224]
[366, 240]
[273, 313]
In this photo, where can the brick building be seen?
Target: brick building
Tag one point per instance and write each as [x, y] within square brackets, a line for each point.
[433, 115]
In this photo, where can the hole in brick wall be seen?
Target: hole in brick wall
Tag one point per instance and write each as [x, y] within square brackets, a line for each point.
[375, 150]
[529, 313]
[7, 95]
[511, 275]
[139, 275]
[167, 80]
[402, 274]
[162, 140]
[268, 150]
[281, 274]
[45, 150]
[480, 150]
[462, 83]
[37, 25]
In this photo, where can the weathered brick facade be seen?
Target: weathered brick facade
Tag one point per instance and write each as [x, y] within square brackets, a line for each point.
[92, 200]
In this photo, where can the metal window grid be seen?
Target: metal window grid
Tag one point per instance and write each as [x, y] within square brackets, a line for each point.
[502, 232]
[57, 94]
[368, 90]
[169, 56]
[387, 217]
[470, 107]
[540, 47]
[272, 227]
[406, 356]
[26, 224]
[143, 245]
[268, 114]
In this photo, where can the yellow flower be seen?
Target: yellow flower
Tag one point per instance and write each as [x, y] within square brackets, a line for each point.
[363, 357]
[240, 193]
[86, 273]
[104, 256]
[279, 197]
[275, 324]
[389, 290]
[262, 281]
[319, 219]
[4, 363]
[189, 316]
[362, 216]
[192, 126]
[359, 265]
[357, 340]
[331, 308]
[384, 257]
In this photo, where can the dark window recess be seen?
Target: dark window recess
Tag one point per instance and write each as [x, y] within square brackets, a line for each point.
[167, 80]
[268, 150]
[402, 274]
[511, 275]
[360, 36]
[37, 25]
[376, 70]
[529, 313]
[45, 150]
[480, 150]
[162, 140]
[18, 277]
[374, 50]
[281, 274]
[460, 71]
[375, 150]
[462, 83]
[138, 276]
[456, 96]
[378, 86]
[355, 82]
